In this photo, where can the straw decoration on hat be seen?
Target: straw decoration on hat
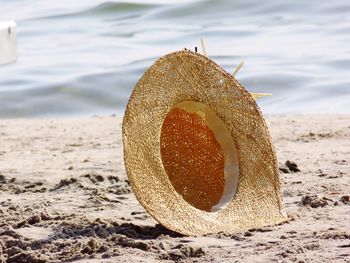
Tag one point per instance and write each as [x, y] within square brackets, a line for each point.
[197, 150]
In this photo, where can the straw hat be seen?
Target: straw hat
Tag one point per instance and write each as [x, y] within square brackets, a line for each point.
[197, 150]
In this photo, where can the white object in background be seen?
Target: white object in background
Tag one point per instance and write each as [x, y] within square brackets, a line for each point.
[8, 42]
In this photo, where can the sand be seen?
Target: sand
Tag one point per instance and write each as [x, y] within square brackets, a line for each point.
[64, 196]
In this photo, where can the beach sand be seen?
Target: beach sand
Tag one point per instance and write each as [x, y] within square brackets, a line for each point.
[64, 196]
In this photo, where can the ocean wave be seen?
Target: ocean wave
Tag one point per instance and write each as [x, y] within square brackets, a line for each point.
[86, 56]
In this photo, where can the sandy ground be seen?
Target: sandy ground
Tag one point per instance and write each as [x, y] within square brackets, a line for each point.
[64, 196]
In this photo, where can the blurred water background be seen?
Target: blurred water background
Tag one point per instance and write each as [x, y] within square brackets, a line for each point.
[83, 57]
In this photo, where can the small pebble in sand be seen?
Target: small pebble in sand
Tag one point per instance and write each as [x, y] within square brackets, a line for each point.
[33, 220]
[345, 199]
[292, 166]
[2, 179]
[248, 234]
[313, 201]
[289, 167]
[284, 169]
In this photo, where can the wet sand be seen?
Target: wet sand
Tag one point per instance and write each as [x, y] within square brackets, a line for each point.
[64, 196]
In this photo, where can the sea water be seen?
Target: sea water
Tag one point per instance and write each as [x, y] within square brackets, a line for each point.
[83, 57]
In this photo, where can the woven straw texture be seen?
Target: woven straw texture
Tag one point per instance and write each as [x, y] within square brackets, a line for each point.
[192, 158]
[175, 164]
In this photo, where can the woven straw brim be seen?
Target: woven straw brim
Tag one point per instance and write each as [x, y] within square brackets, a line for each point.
[188, 76]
